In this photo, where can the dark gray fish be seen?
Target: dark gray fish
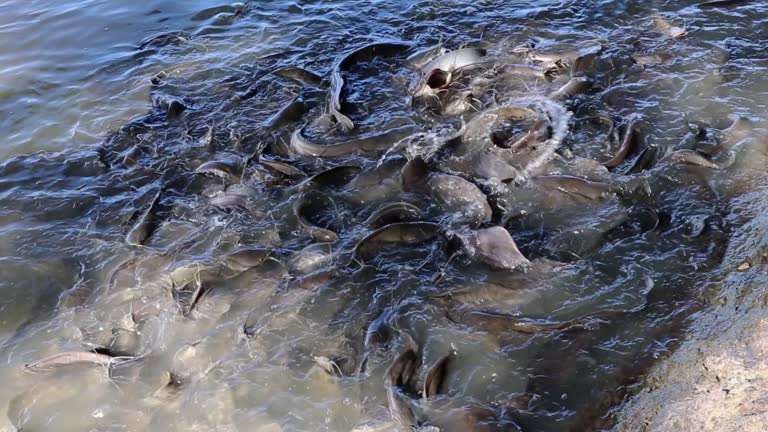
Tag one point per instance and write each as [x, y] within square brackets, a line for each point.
[689, 157]
[393, 213]
[287, 115]
[482, 294]
[576, 86]
[131, 156]
[498, 323]
[408, 233]
[722, 3]
[585, 62]
[420, 58]
[301, 76]
[207, 139]
[628, 143]
[146, 223]
[174, 109]
[370, 143]
[333, 177]
[495, 247]
[311, 202]
[401, 377]
[539, 132]
[426, 413]
[244, 259]
[165, 39]
[76, 358]
[188, 295]
[212, 12]
[643, 161]
[474, 150]
[589, 189]
[311, 258]
[228, 169]
[433, 381]
[413, 173]
[557, 387]
[366, 53]
[463, 199]
[283, 169]
[229, 200]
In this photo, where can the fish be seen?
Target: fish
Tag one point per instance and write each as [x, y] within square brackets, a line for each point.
[557, 394]
[309, 202]
[146, 223]
[283, 168]
[188, 295]
[495, 247]
[474, 152]
[426, 412]
[311, 258]
[438, 73]
[244, 259]
[589, 189]
[287, 115]
[369, 143]
[539, 132]
[722, 3]
[457, 59]
[174, 109]
[466, 203]
[585, 62]
[419, 59]
[401, 376]
[230, 170]
[576, 86]
[229, 200]
[333, 177]
[302, 76]
[689, 157]
[366, 53]
[71, 358]
[393, 213]
[628, 143]
[557, 62]
[497, 323]
[413, 173]
[668, 29]
[643, 161]
[165, 39]
[408, 233]
[433, 381]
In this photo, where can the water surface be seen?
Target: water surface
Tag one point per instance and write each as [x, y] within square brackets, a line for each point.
[86, 96]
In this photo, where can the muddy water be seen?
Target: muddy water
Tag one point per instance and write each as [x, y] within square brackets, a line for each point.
[100, 87]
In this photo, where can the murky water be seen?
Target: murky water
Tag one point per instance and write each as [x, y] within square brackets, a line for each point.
[110, 109]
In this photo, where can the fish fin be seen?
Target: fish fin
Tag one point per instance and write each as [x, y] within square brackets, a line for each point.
[399, 382]
[435, 378]
[413, 173]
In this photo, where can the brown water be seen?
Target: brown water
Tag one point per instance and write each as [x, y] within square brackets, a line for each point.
[77, 97]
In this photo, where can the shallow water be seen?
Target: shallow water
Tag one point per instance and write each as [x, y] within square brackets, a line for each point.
[91, 138]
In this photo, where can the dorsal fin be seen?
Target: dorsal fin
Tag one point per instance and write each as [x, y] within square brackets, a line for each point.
[433, 382]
